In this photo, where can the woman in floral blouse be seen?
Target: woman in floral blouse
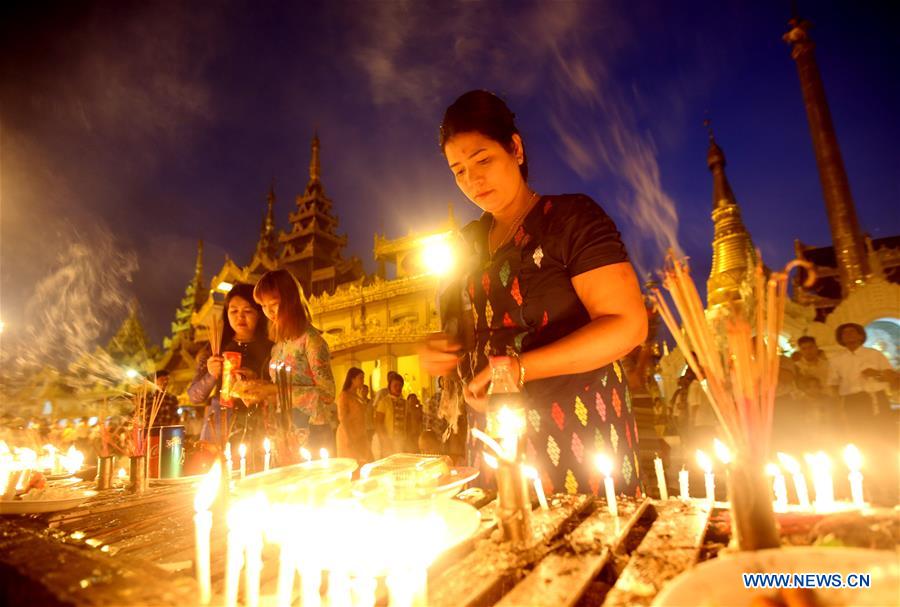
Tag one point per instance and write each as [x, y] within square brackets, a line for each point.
[300, 347]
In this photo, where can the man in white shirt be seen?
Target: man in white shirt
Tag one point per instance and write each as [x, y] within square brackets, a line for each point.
[862, 377]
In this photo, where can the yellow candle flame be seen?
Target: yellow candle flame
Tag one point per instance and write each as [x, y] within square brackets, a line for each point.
[704, 461]
[267, 445]
[722, 452]
[789, 463]
[122, 473]
[491, 461]
[818, 462]
[228, 451]
[604, 464]
[853, 458]
[305, 454]
[242, 450]
[772, 469]
[323, 453]
[208, 488]
[530, 472]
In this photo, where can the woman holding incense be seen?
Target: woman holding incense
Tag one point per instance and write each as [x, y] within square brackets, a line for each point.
[301, 362]
[352, 440]
[549, 284]
[245, 331]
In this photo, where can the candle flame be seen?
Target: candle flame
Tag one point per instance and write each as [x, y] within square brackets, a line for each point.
[772, 469]
[305, 454]
[208, 488]
[818, 462]
[122, 473]
[530, 472]
[267, 445]
[242, 450]
[853, 457]
[722, 452]
[72, 460]
[789, 463]
[228, 451]
[704, 461]
[491, 461]
[323, 453]
[604, 464]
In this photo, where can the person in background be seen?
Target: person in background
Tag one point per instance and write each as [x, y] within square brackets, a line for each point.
[812, 370]
[300, 346]
[351, 433]
[414, 422]
[370, 414]
[390, 416]
[244, 330]
[862, 378]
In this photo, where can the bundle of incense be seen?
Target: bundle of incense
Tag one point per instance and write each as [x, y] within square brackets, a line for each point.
[215, 336]
[738, 374]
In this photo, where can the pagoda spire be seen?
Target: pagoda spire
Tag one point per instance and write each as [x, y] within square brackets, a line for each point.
[846, 236]
[268, 236]
[733, 253]
[194, 297]
[314, 166]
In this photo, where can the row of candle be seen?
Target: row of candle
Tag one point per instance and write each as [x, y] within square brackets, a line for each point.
[819, 464]
[305, 454]
[317, 536]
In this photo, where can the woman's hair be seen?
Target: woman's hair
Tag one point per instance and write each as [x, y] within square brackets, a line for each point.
[482, 112]
[352, 374]
[245, 292]
[293, 314]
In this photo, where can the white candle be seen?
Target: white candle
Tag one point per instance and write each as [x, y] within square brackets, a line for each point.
[287, 567]
[310, 583]
[305, 454]
[242, 452]
[206, 494]
[532, 473]
[234, 561]
[267, 446]
[228, 465]
[710, 480]
[778, 486]
[853, 458]
[323, 453]
[684, 484]
[604, 464]
[820, 464]
[793, 467]
[253, 548]
[661, 478]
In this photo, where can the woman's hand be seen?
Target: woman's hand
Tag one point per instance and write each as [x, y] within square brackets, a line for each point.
[245, 374]
[476, 391]
[214, 366]
[439, 354]
[253, 391]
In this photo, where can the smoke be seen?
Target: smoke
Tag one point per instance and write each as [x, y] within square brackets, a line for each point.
[74, 307]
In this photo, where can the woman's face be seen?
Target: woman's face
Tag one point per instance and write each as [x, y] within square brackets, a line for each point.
[357, 382]
[242, 316]
[269, 305]
[484, 170]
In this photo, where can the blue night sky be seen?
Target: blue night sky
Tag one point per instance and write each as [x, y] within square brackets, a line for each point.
[138, 128]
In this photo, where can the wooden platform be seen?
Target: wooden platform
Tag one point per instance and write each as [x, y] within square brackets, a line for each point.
[120, 549]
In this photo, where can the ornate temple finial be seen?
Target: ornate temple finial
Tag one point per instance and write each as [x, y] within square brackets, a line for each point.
[733, 251]
[268, 239]
[314, 166]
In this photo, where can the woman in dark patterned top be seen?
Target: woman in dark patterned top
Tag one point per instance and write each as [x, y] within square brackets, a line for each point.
[549, 282]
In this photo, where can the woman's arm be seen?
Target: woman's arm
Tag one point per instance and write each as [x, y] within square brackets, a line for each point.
[314, 400]
[204, 381]
[612, 297]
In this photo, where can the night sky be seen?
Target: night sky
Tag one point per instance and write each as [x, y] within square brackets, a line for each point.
[136, 129]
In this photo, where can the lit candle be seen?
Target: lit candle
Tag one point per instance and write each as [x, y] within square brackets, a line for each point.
[228, 464]
[604, 464]
[242, 452]
[820, 464]
[661, 478]
[253, 546]
[234, 560]
[305, 454]
[779, 486]
[532, 473]
[684, 484]
[853, 459]
[206, 494]
[323, 453]
[706, 464]
[722, 451]
[793, 468]
[122, 474]
[267, 446]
